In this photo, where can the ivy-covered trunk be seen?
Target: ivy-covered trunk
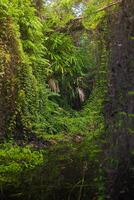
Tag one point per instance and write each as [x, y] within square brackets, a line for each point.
[119, 108]
[8, 82]
[23, 93]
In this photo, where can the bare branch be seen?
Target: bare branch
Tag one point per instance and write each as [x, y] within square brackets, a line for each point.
[109, 5]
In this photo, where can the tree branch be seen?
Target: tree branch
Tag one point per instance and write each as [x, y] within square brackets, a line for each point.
[76, 23]
[109, 5]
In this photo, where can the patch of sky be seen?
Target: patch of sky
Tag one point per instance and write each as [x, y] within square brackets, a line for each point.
[78, 9]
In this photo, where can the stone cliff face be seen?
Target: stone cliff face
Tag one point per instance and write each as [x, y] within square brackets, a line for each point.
[119, 109]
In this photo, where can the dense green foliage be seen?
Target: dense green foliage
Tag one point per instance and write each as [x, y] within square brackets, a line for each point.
[34, 52]
[53, 83]
[14, 160]
[40, 60]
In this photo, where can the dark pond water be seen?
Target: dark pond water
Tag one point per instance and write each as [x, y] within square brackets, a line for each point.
[67, 174]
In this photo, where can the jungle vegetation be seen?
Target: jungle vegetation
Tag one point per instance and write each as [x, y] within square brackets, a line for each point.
[66, 99]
